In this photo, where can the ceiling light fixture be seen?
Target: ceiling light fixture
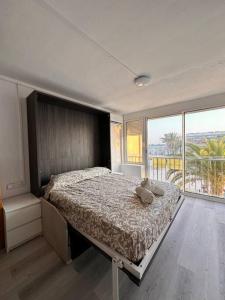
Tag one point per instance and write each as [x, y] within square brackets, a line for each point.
[142, 80]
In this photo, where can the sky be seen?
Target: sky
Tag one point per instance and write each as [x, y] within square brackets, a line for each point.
[204, 121]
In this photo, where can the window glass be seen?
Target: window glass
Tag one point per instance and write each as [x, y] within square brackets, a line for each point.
[134, 136]
[205, 152]
[164, 153]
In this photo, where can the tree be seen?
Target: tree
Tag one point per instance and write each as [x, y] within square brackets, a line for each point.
[173, 142]
[204, 163]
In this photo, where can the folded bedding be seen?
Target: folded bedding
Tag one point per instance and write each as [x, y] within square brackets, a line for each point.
[145, 195]
[152, 186]
[104, 206]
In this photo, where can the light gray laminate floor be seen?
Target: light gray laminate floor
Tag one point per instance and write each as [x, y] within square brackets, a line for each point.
[190, 264]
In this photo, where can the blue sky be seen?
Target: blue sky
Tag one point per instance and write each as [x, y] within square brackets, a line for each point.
[204, 121]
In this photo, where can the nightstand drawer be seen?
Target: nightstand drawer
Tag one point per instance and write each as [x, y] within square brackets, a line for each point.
[22, 216]
[21, 234]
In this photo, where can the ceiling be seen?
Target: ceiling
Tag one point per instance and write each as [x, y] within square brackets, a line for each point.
[93, 50]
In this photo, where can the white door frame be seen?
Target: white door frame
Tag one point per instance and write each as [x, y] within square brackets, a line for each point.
[145, 151]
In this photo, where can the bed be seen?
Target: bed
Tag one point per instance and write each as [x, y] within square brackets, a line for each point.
[104, 208]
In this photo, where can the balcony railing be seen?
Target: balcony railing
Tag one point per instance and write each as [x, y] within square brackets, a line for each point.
[134, 159]
[204, 175]
[159, 166]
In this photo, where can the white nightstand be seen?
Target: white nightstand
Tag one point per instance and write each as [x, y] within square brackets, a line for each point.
[22, 216]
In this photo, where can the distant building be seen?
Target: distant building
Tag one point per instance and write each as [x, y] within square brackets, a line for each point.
[195, 138]
[199, 138]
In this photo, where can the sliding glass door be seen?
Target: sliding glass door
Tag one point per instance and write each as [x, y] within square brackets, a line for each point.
[164, 149]
[200, 168]
[205, 152]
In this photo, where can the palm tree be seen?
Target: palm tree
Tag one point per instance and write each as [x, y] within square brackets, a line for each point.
[173, 142]
[204, 163]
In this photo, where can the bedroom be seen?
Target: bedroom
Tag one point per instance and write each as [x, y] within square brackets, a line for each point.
[94, 98]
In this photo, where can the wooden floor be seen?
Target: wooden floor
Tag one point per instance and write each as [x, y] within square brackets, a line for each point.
[190, 264]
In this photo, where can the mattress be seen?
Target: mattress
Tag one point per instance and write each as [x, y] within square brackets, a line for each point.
[104, 206]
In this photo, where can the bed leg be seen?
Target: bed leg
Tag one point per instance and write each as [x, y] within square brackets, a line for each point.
[116, 264]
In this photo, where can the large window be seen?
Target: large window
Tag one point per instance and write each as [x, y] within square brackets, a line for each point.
[134, 138]
[202, 169]
[164, 153]
[205, 152]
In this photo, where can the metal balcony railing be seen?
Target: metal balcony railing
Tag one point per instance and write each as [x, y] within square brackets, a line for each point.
[204, 175]
[134, 159]
[159, 166]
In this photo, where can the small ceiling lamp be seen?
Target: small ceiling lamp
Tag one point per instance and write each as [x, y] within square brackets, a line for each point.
[142, 80]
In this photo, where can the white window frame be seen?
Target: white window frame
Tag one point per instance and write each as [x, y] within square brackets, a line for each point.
[122, 139]
[145, 141]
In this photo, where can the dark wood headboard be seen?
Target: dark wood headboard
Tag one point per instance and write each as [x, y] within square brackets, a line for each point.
[64, 136]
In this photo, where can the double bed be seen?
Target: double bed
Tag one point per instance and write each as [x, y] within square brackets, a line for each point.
[104, 208]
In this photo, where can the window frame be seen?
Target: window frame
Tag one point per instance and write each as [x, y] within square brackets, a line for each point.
[142, 122]
[160, 113]
[122, 140]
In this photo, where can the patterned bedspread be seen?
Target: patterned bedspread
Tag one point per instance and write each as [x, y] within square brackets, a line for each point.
[106, 208]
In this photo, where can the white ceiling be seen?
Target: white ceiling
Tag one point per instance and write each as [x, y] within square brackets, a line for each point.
[92, 50]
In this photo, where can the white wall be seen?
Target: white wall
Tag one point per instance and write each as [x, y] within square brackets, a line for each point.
[14, 165]
[14, 155]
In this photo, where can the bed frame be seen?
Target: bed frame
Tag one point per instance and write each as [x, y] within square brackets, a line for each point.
[55, 230]
[65, 136]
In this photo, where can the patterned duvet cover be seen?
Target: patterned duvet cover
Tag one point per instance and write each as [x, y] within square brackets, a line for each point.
[104, 206]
